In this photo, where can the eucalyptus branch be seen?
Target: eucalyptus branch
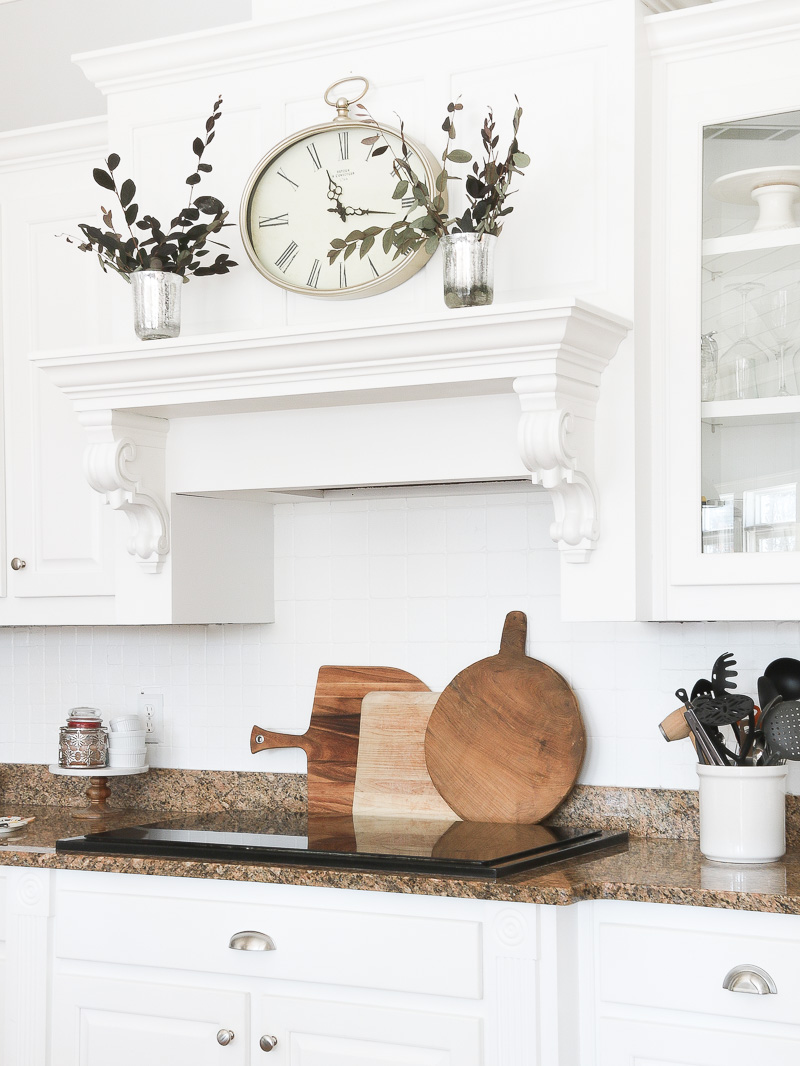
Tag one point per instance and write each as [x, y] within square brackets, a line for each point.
[179, 251]
[487, 189]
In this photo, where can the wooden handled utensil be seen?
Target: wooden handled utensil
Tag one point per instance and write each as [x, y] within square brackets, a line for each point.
[505, 740]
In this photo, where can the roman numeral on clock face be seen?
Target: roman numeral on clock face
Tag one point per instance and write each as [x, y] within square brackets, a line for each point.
[286, 258]
[287, 178]
[372, 265]
[342, 276]
[313, 277]
[344, 144]
[407, 202]
[276, 220]
[312, 151]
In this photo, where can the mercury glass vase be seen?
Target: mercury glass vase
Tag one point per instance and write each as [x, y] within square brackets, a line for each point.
[468, 269]
[156, 304]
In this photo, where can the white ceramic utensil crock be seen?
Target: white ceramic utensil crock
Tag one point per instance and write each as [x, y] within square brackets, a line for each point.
[742, 812]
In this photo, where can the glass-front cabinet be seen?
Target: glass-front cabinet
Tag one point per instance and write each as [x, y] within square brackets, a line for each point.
[725, 313]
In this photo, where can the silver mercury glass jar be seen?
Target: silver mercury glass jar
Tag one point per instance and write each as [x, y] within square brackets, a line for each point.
[83, 742]
[468, 269]
[156, 304]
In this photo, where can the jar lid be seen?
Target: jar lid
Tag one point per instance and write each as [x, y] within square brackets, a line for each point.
[89, 716]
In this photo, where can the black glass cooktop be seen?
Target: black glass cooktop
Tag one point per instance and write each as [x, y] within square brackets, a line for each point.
[456, 849]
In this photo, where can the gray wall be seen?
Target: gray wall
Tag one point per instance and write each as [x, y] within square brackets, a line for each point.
[38, 82]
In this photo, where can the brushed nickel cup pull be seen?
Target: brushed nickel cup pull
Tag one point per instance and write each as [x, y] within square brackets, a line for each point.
[18, 564]
[750, 979]
[225, 1037]
[267, 1043]
[251, 940]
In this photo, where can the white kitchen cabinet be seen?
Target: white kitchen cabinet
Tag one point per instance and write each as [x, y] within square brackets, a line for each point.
[653, 986]
[354, 977]
[51, 294]
[97, 1020]
[725, 485]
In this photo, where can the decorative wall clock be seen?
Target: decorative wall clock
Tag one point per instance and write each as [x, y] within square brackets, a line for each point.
[322, 183]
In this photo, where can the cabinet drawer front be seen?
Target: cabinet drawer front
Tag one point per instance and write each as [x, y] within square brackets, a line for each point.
[386, 951]
[683, 969]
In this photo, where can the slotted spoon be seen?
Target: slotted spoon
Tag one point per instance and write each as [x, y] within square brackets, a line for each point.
[781, 728]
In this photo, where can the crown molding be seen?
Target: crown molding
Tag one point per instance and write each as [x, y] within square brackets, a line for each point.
[256, 45]
[659, 7]
[44, 145]
[726, 25]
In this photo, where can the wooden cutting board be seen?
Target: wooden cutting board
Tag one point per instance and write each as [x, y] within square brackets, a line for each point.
[331, 740]
[505, 740]
[392, 779]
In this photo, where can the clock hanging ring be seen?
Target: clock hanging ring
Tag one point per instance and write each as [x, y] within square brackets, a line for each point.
[321, 183]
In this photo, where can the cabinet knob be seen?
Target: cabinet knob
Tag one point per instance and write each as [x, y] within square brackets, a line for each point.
[251, 940]
[752, 979]
[18, 564]
[267, 1043]
[225, 1037]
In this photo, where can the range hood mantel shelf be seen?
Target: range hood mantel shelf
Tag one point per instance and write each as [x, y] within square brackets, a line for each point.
[551, 355]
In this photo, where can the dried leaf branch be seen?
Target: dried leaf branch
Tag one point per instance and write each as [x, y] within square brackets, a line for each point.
[180, 250]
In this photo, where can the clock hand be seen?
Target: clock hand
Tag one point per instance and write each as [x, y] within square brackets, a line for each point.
[361, 211]
[334, 192]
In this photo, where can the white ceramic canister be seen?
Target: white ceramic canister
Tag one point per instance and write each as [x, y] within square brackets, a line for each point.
[742, 812]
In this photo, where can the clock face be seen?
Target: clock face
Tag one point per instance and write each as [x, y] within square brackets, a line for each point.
[321, 185]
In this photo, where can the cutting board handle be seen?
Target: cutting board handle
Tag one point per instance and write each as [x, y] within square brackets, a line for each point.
[260, 739]
[515, 632]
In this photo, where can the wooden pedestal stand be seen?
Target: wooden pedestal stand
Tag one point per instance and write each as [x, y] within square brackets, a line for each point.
[98, 790]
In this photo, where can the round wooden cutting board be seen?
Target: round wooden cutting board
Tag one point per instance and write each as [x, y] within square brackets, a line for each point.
[505, 740]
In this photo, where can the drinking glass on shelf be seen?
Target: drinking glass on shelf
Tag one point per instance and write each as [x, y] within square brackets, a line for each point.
[779, 310]
[709, 365]
[743, 367]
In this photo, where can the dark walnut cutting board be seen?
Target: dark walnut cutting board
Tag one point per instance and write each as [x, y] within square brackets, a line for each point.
[505, 740]
[331, 740]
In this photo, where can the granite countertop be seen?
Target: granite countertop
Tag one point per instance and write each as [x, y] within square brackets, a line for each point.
[646, 870]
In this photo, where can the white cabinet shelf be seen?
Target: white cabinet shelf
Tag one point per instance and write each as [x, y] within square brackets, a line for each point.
[772, 410]
[753, 241]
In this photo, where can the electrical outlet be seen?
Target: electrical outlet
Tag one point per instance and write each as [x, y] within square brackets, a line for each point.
[151, 710]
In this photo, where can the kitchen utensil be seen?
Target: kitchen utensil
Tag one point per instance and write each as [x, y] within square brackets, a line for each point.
[392, 779]
[702, 687]
[126, 723]
[126, 741]
[721, 673]
[703, 742]
[781, 729]
[505, 740]
[331, 740]
[127, 758]
[785, 676]
[767, 693]
[713, 711]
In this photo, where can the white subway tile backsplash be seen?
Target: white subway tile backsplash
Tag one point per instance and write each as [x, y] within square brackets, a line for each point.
[422, 583]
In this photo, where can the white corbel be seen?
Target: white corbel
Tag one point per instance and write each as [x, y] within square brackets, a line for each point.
[125, 462]
[556, 430]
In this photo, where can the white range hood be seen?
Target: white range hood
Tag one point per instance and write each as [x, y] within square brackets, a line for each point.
[550, 355]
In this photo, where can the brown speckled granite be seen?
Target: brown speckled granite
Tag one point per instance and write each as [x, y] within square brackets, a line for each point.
[159, 789]
[650, 871]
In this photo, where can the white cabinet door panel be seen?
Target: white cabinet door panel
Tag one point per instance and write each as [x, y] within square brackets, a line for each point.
[97, 1021]
[627, 1043]
[323, 1033]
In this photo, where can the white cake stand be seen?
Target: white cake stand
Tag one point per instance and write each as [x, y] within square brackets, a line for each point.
[98, 790]
[774, 189]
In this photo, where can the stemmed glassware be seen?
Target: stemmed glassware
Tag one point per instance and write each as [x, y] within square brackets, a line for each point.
[779, 310]
[743, 367]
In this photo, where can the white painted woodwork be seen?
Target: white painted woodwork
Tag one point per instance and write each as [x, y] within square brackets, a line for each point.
[60, 529]
[660, 1043]
[29, 907]
[558, 250]
[705, 71]
[381, 950]
[97, 1020]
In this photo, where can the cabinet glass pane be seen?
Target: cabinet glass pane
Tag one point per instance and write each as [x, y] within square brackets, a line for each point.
[749, 349]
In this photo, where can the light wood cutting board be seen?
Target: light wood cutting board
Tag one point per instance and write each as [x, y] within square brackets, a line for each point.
[331, 740]
[392, 779]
